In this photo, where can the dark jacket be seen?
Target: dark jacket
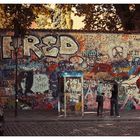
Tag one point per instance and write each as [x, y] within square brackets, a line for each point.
[115, 91]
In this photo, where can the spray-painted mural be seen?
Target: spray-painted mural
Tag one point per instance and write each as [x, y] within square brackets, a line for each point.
[42, 55]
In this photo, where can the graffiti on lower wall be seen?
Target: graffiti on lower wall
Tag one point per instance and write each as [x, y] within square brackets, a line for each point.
[42, 55]
[90, 94]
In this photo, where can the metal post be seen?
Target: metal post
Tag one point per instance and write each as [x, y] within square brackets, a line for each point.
[65, 99]
[16, 72]
[17, 35]
[82, 82]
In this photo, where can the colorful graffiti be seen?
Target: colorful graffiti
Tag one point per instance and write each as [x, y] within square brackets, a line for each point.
[90, 94]
[45, 46]
[73, 94]
[42, 55]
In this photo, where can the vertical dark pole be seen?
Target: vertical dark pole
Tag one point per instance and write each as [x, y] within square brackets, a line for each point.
[16, 72]
[16, 36]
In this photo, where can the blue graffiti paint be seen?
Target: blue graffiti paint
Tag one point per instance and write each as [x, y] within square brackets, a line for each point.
[136, 61]
[54, 84]
[65, 65]
[91, 53]
[121, 64]
[132, 70]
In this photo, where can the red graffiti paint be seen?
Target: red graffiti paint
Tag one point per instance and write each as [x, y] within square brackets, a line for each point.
[33, 57]
[81, 42]
[52, 67]
[120, 75]
[137, 71]
[101, 67]
[20, 53]
[125, 37]
[88, 75]
[49, 106]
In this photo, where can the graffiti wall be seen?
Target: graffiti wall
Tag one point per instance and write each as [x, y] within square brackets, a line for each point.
[42, 55]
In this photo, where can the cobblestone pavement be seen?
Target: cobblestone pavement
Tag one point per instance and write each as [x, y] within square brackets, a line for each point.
[72, 128]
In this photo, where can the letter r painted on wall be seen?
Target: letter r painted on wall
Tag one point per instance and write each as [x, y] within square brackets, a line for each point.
[30, 43]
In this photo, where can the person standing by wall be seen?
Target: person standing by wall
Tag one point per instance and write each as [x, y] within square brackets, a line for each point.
[114, 100]
[100, 99]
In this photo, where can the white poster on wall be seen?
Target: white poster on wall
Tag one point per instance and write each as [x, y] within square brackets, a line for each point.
[40, 83]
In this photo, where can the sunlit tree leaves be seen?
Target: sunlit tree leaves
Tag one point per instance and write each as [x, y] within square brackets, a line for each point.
[98, 17]
[101, 17]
